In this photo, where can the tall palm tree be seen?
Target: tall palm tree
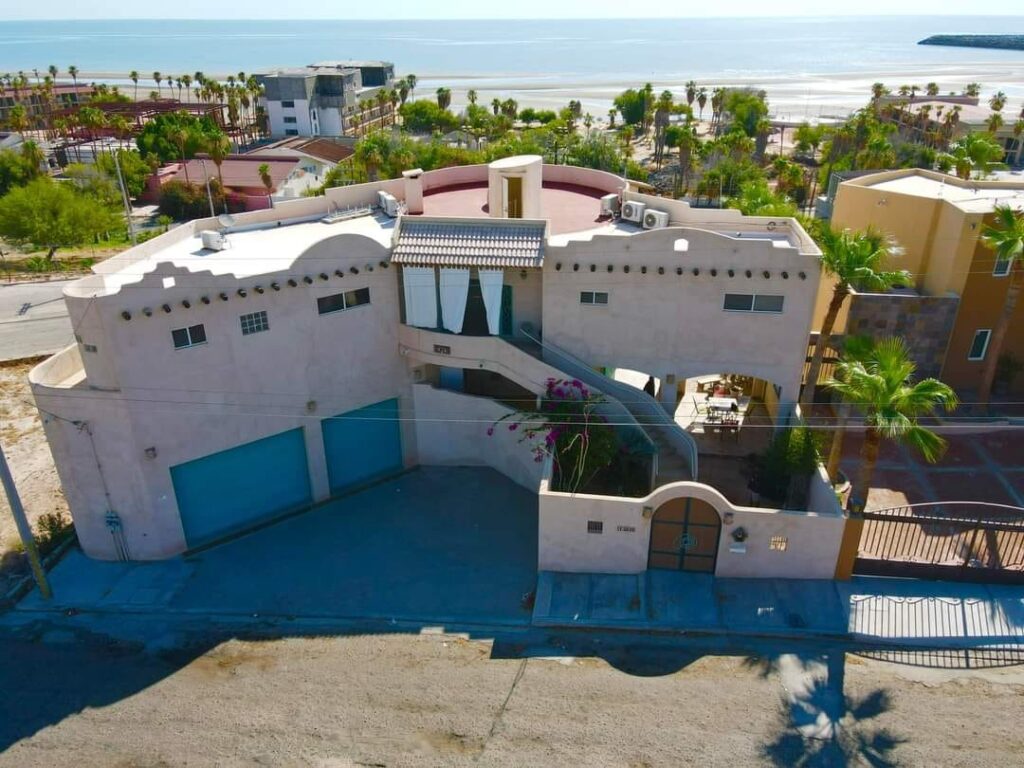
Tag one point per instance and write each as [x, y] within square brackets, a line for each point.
[471, 96]
[702, 99]
[883, 389]
[73, 71]
[1005, 238]
[180, 137]
[998, 101]
[158, 78]
[496, 106]
[854, 260]
[268, 181]
[134, 77]
[691, 92]
[973, 90]
[444, 97]
[611, 118]
[855, 348]
[411, 81]
[994, 122]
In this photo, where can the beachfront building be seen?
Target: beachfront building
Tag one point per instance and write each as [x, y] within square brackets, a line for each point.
[230, 372]
[333, 98]
[948, 312]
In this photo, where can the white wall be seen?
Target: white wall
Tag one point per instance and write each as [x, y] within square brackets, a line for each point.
[451, 430]
[276, 114]
[565, 544]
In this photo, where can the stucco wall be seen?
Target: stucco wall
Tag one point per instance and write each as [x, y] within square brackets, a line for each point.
[812, 538]
[192, 402]
[451, 430]
[675, 324]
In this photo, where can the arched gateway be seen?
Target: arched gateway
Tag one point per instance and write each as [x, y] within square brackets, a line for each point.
[684, 536]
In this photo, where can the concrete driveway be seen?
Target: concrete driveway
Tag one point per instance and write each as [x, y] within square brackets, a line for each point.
[33, 319]
[437, 545]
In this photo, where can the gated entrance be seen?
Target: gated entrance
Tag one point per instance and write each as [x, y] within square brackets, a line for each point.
[684, 536]
[960, 540]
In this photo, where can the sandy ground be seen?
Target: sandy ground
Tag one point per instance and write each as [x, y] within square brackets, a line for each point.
[796, 99]
[401, 700]
[27, 451]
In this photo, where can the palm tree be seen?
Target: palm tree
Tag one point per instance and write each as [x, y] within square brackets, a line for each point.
[998, 101]
[994, 122]
[134, 77]
[411, 81]
[974, 152]
[180, 136]
[883, 389]
[73, 71]
[878, 90]
[471, 96]
[857, 348]
[1004, 237]
[403, 90]
[932, 89]
[158, 78]
[268, 181]
[854, 260]
[973, 90]
[702, 99]
[444, 97]
[611, 118]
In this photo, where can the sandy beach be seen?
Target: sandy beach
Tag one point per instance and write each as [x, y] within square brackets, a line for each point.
[806, 97]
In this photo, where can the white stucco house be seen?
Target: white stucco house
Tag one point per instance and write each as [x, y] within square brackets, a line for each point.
[227, 375]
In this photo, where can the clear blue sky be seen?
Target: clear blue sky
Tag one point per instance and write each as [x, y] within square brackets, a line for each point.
[520, 9]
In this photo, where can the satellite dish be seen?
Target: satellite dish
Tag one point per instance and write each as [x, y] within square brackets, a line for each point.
[226, 220]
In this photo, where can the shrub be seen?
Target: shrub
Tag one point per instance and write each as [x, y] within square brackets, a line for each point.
[183, 201]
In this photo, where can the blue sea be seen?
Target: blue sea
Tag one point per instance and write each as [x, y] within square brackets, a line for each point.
[523, 55]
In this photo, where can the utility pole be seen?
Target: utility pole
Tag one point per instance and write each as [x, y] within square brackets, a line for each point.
[209, 195]
[24, 529]
[124, 198]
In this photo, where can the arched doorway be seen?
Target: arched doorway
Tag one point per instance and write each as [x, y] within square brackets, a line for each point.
[684, 536]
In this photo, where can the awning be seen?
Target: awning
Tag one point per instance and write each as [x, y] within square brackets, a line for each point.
[469, 243]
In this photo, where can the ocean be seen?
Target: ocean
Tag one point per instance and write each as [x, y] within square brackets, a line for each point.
[540, 58]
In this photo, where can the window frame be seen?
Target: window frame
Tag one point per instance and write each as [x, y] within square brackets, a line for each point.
[984, 348]
[258, 322]
[753, 303]
[343, 296]
[1005, 272]
[287, 103]
[594, 302]
[290, 120]
[188, 330]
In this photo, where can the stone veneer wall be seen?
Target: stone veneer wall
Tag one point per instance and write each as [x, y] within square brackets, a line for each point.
[925, 322]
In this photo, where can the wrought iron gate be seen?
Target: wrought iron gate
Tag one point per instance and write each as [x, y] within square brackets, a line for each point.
[960, 541]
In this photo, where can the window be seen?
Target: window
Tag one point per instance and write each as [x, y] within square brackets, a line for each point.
[1002, 267]
[593, 297]
[291, 120]
[980, 344]
[90, 347]
[288, 104]
[595, 526]
[254, 322]
[192, 336]
[750, 302]
[291, 132]
[340, 301]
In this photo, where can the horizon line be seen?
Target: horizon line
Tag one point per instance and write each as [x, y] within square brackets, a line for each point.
[532, 18]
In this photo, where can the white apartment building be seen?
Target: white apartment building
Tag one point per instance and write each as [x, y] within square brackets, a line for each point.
[225, 376]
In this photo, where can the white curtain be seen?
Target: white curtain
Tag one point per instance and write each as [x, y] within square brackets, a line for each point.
[491, 282]
[420, 296]
[454, 292]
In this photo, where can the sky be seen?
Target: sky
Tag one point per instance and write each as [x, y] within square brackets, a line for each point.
[520, 9]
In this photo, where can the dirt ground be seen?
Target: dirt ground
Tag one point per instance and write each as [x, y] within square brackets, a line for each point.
[28, 454]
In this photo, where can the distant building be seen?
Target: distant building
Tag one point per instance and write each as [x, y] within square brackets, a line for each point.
[317, 156]
[240, 177]
[328, 99]
[39, 103]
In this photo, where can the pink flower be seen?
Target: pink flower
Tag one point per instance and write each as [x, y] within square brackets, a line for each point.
[490, 431]
[513, 427]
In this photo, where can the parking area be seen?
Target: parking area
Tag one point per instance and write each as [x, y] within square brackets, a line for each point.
[436, 545]
[978, 466]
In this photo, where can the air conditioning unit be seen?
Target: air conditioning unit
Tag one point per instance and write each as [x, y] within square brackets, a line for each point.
[655, 219]
[633, 211]
[610, 204]
[388, 203]
[213, 240]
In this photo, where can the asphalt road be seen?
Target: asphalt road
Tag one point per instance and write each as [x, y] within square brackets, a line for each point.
[439, 700]
[33, 319]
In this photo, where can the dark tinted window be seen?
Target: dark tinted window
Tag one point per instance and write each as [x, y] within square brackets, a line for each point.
[738, 302]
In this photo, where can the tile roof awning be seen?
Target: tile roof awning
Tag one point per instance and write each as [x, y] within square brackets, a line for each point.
[476, 242]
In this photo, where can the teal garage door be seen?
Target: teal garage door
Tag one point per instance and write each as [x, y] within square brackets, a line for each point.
[238, 488]
[362, 445]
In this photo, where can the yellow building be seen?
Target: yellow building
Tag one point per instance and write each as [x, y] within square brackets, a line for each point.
[948, 312]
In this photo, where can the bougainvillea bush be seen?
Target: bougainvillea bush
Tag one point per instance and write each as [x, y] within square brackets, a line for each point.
[567, 428]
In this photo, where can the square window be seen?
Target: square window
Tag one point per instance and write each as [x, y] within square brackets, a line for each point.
[291, 132]
[980, 344]
[1002, 267]
[254, 322]
[188, 337]
[290, 120]
[764, 303]
[288, 104]
[600, 298]
[595, 526]
[738, 302]
[778, 543]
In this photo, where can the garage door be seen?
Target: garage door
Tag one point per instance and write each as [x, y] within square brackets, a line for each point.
[238, 488]
[362, 445]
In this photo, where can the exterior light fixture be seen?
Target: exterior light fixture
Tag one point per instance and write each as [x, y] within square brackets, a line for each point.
[291, 282]
[205, 299]
[258, 288]
[242, 293]
[223, 296]
[696, 271]
[324, 276]
[147, 311]
[740, 534]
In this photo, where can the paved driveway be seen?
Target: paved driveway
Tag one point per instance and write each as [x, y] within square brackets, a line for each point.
[435, 545]
[978, 466]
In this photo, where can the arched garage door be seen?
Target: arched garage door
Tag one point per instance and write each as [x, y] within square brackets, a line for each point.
[239, 488]
[362, 445]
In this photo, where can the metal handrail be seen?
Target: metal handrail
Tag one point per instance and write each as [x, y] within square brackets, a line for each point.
[633, 396]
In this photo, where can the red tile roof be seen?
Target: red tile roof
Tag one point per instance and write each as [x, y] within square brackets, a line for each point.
[239, 171]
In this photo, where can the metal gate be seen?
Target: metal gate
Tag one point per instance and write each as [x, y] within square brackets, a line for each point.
[958, 540]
